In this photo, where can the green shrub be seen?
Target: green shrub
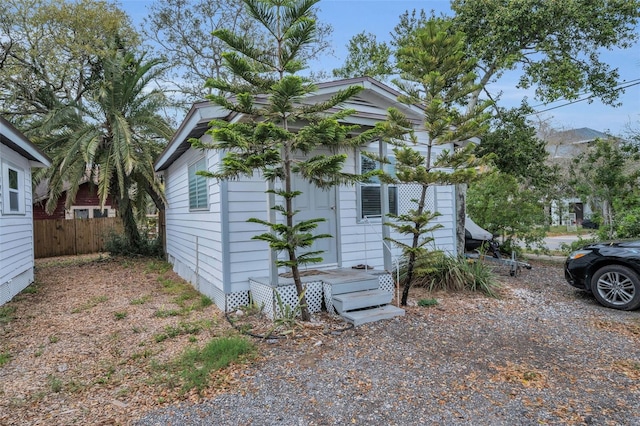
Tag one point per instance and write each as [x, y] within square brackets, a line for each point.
[628, 224]
[576, 245]
[119, 245]
[457, 274]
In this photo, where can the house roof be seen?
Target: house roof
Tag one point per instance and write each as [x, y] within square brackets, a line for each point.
[582, 135]
[41, 191]
[370, 104]
[569, 143]
[14, 139]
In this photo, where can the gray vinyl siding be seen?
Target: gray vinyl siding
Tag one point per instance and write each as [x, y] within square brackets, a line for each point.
[247, 257]
[358, 236]
[194, 237]
[16, 234]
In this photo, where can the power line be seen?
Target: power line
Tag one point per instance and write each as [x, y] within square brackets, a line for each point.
[630, 84]
[618, 87]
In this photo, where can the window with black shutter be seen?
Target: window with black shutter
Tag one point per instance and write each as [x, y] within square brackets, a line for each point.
[369, 191]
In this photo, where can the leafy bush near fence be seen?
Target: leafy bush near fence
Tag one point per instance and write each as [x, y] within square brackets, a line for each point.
[119, 245]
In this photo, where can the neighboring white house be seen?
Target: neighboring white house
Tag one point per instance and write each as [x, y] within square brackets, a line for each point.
[563, 147]
[209, 241]
[17, 156]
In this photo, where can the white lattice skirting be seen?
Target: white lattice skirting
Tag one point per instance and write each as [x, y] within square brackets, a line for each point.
[264, 295]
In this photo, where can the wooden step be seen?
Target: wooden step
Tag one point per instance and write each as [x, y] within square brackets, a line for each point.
[360, 299]
[371, 315]
[341, 285]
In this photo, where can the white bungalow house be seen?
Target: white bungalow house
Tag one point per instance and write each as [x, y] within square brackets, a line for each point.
[17, 156]
[209, 241]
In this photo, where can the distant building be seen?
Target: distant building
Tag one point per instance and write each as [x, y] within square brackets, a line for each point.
[85, 206]
[570, 143]
[563, 147]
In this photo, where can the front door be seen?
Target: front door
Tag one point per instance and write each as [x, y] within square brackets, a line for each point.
[318, 203]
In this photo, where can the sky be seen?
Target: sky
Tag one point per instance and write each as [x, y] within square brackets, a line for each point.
[350, 17]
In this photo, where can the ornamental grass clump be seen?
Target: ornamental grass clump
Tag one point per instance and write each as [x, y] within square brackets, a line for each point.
[456, 274]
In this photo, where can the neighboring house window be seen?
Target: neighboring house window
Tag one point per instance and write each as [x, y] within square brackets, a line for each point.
[81, 213]
[97, 213]
[370, 190]
[86, 212]
[13, 192]
[197, 186]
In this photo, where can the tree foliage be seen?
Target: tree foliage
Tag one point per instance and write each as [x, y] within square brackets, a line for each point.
[511, 203]
[110, 139]
[182, 32]
[556, 44]
[438, 75]
[50, 52]
[281, 124]
[608, 176]
[71, 80]
[366, 57]
[501, 205]
[516, 149]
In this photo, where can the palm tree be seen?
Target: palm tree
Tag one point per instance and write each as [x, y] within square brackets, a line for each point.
[111, 138]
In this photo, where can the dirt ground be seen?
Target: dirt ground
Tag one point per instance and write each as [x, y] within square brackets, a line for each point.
[84, 342]
[85, 336]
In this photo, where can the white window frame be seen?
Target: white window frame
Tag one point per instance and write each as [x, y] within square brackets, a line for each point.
[195, 184]
[8, 191]
[375, 182]
[71, 213]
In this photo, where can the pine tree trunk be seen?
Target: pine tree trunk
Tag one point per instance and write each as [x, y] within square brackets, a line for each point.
[411, 264]
[408, 279]
[304, 308]
[461, 214]
[295, 271]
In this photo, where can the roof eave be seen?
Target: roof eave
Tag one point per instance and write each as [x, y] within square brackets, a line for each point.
[14, 139]
[194, 125]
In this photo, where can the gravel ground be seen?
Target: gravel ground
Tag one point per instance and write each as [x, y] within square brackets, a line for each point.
[543, 353]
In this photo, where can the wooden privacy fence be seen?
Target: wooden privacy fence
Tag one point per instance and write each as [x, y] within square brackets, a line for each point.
[60, 237]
